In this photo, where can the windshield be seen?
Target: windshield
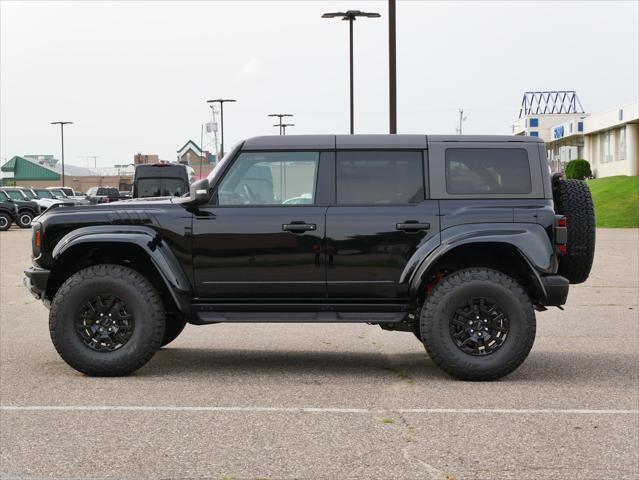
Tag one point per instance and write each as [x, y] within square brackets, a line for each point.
[15, 194]
[3, 197]
[160, 187]
[43, 193]
[29, 194]
[57, 192]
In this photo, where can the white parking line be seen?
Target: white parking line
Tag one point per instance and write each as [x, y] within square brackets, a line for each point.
[141, 408]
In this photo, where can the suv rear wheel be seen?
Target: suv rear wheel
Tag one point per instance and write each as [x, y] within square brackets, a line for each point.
[478, 324]
[24, 219]
[5, 222]
[107, 320]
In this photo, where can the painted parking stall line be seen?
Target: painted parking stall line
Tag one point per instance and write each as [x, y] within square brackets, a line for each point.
[258, 409]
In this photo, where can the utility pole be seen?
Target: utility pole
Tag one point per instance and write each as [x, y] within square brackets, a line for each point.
[62, 124]
[221, 101]
[280, 116]
[213, 130]
[392, 69]
[283, 126]
[350, 17]
[462, 119]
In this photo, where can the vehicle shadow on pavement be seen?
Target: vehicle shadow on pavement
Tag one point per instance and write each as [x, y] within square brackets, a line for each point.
[170, 361]
[567, 367]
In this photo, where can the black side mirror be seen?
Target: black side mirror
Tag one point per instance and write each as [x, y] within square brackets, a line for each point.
[199, 192]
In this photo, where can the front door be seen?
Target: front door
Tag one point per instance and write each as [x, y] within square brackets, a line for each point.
[262, 236]
[380, 219]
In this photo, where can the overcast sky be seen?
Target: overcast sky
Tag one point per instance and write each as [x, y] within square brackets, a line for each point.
[134, 77]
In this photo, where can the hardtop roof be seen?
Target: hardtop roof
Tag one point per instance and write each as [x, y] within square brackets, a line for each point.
[408, 141]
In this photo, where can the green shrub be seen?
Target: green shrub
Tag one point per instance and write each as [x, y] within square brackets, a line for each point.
[578, 169]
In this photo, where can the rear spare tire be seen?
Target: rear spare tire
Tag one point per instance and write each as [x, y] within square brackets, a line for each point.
[573, 200]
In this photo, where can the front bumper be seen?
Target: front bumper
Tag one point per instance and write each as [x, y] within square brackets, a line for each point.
[556, 288]
[35, 279]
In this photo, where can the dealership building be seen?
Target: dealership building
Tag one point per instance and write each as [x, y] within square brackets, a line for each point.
[609, 140]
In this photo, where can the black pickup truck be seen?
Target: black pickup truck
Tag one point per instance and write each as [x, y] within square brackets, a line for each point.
[456, 239]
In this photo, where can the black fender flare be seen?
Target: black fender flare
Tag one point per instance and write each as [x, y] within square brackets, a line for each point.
[530, 241]
[147, 239]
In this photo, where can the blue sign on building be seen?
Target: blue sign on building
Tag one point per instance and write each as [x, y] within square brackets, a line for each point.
[558, 132]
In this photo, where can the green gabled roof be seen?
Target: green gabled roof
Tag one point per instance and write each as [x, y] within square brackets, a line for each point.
[25, 169]
[9, 166]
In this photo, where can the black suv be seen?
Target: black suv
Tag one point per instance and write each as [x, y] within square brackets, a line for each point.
[27, 209]
[457, 239]
[8, 211]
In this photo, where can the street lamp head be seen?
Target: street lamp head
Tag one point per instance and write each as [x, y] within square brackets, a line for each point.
[61, 123]
[351, 15]
[221, 100]
[280, 115]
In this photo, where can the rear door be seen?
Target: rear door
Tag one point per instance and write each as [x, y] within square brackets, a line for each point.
[262, 236]
[381, 217]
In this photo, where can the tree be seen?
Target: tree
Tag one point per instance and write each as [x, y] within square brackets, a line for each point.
[578, 169]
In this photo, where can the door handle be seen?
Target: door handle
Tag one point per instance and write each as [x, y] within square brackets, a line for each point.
[299, 227]
[412, 226]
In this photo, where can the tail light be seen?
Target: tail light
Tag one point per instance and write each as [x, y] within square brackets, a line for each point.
[561, 235]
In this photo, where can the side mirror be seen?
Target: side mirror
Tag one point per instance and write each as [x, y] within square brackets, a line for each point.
[199, 192]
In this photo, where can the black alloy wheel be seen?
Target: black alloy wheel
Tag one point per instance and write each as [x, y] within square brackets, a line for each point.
[104, 324]
[479, 327]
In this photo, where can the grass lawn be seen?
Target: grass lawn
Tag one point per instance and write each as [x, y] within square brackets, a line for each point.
[616, 201]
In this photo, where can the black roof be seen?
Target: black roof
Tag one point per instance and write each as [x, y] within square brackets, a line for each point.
[311, 142]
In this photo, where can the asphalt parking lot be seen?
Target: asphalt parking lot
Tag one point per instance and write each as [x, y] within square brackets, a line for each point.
[329, 401]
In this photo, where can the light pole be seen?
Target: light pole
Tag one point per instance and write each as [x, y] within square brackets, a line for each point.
[350, 16]
[392, 69]
[280, 116]
[221, 101]
[62, 124]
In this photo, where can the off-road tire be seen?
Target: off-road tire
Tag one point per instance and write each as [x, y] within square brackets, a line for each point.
[573, 199]
[5, 222]
[140, 297]
[24, 219]
[453, 292]
[174, 326]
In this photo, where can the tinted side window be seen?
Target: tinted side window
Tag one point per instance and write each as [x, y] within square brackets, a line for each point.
[487, 170]
[270, 178]
[379, 177]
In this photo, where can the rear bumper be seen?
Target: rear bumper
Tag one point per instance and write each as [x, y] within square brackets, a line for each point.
[556, 288]
[35, 279]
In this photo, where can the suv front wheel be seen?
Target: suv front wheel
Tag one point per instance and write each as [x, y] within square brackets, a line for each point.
[478, 324]
[107, 320]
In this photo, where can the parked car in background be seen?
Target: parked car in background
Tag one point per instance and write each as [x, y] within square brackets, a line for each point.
[29, 194]
[62, 193]
[27, 209]
[8, 212]
[102, 195]
[125, 194]
[162, 180]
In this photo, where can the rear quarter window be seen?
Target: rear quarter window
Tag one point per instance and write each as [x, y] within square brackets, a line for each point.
[487, 171]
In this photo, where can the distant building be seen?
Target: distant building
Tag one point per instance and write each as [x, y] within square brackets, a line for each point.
[145, 158]
[201, 161]
[26, 171]
[48, 160]
[608, 140]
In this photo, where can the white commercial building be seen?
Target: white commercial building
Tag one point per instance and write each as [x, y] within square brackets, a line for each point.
[608, 140]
